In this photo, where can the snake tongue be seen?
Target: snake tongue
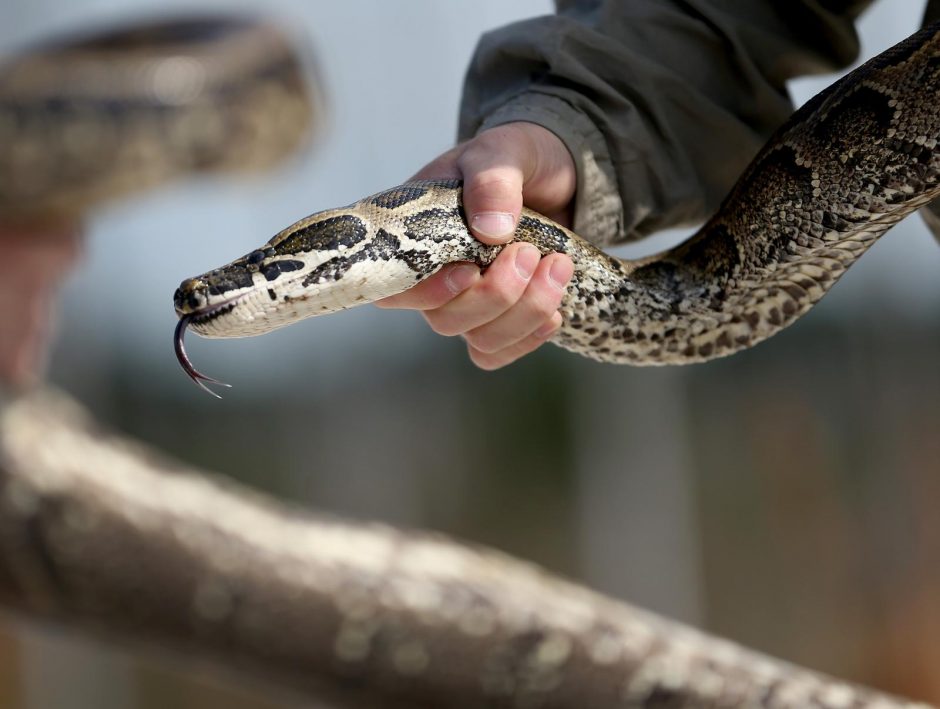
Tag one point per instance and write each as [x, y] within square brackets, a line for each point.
[198, 377]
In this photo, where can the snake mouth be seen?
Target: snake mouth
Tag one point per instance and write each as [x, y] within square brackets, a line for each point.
[198, 318]
[201, 317]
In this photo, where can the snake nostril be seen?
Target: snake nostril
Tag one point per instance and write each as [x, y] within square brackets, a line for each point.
[190, 295]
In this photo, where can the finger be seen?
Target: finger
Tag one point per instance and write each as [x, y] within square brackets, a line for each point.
[441, 288]
[494, 360]
[501, 286]
[535, 308]
[495, 167]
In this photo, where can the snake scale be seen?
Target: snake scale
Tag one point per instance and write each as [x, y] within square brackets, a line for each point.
[847, 166]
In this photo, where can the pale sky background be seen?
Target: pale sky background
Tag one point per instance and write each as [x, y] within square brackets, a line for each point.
[392, 73]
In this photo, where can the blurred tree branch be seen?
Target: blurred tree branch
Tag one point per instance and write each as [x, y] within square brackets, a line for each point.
[99, 533]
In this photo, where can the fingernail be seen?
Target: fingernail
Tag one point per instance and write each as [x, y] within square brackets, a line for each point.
[546, 330]
[493, 224]
[527, 259]
[560, 273]
[461, 277]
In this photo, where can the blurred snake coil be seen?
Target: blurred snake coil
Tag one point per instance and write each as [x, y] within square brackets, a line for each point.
[106, 114]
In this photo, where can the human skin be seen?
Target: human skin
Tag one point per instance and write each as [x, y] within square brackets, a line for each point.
[34, 261]
[511, 308]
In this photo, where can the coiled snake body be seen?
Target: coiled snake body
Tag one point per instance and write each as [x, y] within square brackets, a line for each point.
[846, 167]
[86, 119]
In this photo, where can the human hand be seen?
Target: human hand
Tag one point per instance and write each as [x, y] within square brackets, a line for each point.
[512, 308]
[33, 262]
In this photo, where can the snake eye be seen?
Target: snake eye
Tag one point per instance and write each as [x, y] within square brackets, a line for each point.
[255, 257]
[195, 300]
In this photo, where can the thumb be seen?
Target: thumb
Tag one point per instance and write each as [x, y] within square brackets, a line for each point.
[494, 171]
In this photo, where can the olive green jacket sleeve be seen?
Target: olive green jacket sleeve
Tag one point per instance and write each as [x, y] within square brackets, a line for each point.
[661, 102]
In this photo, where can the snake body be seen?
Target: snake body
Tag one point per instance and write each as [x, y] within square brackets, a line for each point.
[847, 166]
[89, 119]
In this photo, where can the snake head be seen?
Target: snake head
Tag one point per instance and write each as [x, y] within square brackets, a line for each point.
[329, 261]
[227, 302]
[191, 296]
[204, 297]
[193, 304]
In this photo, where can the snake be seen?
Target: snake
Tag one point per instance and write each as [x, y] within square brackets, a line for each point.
[101, 114]
[844, 168]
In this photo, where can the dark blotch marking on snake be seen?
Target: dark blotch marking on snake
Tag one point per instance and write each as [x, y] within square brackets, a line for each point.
[276, 268]
[231, 277]
[398, 196]
[864, 110]
[546, 236]
[781, 166]
[436, 224]
[342, 230]
[383, 247]
[715, 254]
[418, 261]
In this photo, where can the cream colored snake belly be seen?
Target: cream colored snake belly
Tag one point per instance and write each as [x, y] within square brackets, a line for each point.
[846, 167]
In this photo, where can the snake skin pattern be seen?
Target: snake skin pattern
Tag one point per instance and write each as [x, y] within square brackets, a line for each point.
[87, 120]
[846, 167]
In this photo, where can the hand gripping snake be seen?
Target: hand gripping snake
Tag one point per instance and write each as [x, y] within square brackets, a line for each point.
[847, 166]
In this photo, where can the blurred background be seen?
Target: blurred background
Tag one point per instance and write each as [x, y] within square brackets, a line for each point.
[785, 497]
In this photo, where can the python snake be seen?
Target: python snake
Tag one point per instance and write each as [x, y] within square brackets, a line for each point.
[846, 167]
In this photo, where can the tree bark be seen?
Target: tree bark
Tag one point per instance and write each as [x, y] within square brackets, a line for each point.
[99, 533]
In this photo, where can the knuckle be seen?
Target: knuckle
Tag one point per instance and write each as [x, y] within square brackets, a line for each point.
[495, 183]
[527, 346]
[441, 324]
[540, 301]
[482, 341]
[484, 361]
[491, 140]
[542, 305]
[502, 284]
[500, 295]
